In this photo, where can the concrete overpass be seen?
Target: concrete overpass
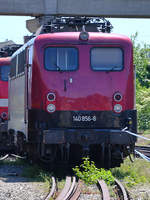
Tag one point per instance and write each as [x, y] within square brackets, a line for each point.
[106, 8]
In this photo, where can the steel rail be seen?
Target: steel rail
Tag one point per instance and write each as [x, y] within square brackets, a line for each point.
[104, 190]
[147, 148]
[4, 157]
[53, 189]
[13, 155]
[70, 191]
[65, 190]
[77, 191]
[20, 157]
[143, 149]
[122, 189]
[145, 152]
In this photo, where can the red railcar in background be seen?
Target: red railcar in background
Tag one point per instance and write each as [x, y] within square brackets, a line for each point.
[4, 72]
[72, 94]
[5, 140]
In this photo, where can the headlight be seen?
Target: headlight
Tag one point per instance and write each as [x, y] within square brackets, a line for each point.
[51, 97]
[3, 115]
[51, 108]
[84, 35]
[118, 108]
[117, 96]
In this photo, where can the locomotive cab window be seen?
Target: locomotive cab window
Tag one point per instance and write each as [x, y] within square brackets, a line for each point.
[4, 72]
[13, 67]
[61, 58]
[106, 59]
[21, 62]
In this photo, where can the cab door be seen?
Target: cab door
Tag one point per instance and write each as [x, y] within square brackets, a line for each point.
[28, 76]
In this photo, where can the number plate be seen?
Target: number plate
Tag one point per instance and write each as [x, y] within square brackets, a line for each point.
[84, 118]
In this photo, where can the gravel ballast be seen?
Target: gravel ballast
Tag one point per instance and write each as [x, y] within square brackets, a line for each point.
[15, 187]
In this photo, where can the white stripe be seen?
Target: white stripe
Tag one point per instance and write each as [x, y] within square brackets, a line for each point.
[3, 102]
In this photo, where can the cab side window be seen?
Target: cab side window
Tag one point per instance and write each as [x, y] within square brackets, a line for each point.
[13, 67]
[4, 72]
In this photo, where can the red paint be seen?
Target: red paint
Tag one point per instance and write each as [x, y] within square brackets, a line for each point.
[4, 87]
[89, 90]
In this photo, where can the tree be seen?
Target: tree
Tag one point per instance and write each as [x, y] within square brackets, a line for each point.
[143, 107]
[142, 62]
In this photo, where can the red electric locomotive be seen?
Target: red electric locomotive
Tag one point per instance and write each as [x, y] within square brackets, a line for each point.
[72, 93]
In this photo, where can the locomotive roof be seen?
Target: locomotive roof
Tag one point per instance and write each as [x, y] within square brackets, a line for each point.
[73, 38]
[4, 61]
[68, 37]
[30, 42]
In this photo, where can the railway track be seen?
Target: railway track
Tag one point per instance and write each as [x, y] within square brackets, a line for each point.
[144, 150]
[11, 155]
[72, 190]
[121, 191]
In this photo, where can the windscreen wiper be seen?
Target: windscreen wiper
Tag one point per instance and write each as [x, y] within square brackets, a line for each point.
[58, 68]
[113, 68]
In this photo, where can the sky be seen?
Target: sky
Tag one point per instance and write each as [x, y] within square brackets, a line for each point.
[14, 28]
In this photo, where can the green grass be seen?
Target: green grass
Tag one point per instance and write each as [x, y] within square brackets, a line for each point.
[133, 173]
[31, 171]
[90, 174]
[16, 161]
[143, 142]
[35, 172]
[146, 132]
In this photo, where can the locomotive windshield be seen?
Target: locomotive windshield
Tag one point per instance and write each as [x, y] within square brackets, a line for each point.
[106, 59]
[61, 58]
[4, 72]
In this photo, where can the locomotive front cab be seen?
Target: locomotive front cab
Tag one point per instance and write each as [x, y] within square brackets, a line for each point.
[72, 93]
[85, 95]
